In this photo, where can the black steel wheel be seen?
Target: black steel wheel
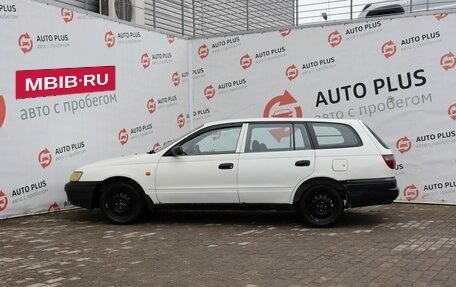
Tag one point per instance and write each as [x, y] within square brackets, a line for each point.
[321, 205]
[121, 202]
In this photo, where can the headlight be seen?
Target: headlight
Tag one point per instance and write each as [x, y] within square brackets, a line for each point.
[76, 175]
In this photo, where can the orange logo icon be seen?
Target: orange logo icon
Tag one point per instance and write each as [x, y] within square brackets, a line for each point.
[145, 61]
[2, 111]
[123, 136]
[448, 61]
[291, 72]
[283, 106]
[25, 43]
[246, 61]
[151, 106]
[403, 144]
[209, 92]
[203, 51]
[176, 79]
[389, 49]
[334, 39]
[3, 201]
[45, 158]
[67, 15]
[411, 192]
[180, 120]
[110, 40]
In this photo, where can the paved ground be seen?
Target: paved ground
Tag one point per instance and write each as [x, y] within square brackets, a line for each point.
[396, 245]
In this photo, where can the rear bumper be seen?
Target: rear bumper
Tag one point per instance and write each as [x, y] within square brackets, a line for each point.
[366, 192]
[82, 193]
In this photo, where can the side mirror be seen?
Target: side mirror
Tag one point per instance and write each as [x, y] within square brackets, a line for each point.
[177, 150]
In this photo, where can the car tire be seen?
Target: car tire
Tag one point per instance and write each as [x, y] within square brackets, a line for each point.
[321, 205]
[121, 202]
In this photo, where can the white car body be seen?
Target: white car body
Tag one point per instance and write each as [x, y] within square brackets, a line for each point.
[245, 175]
[395, 7]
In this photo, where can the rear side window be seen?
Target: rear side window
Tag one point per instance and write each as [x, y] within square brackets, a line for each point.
[334, 135]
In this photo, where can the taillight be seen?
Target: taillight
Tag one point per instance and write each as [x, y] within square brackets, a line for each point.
[389, 160]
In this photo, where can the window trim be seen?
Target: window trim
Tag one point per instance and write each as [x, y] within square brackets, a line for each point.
[204, 130]
[314, 141]
[248, 136]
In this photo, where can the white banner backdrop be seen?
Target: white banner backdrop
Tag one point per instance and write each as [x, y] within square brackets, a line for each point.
[118, 90]
[397, 75]
[75, 88]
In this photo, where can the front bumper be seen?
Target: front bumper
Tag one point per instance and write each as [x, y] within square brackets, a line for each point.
[366, 192]
[82, 193]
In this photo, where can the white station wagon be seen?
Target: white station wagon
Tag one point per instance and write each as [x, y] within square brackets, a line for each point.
[319, 166]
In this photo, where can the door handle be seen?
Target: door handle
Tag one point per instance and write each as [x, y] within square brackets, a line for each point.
[227, 165]
[302, 163]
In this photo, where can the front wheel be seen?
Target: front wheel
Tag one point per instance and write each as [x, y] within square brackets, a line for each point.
[121, 202]
[321, 205]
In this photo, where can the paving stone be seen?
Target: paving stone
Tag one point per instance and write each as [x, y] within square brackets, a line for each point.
[395, 245]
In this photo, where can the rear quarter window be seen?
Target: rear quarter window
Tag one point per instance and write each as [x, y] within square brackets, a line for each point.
[377, 137]
[334, 135]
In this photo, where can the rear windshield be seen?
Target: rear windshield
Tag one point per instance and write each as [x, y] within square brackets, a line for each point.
[377, 137]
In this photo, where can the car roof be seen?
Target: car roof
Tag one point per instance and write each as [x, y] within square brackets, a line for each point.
[250, 120]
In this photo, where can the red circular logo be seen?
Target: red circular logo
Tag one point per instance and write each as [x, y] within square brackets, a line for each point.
[448, 61]
[145, 61]
[54, 207]
[151, 106]
[2, 110]
[334, 38]
[25, 43]
[291, 72]
[246, 61]
[203, 51]
[403, 144]
[285, 32]
[3, 201]
[411, 192]
[156, 147]
[67, 15]
[123, 136]
[110, 40]
[180, 120]
[176, 79]
[209, 92]
[440, 16]
[451, 112]
[389, 49]
[283, 106]
[170, 38]
[45, 158]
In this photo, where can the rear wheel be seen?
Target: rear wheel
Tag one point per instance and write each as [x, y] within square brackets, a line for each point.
[321, 205]
[121, 202]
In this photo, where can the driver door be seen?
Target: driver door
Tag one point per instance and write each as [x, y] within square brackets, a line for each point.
[207, 170]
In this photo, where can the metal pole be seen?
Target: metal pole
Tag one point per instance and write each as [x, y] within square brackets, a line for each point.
[297, 13]
[153, 14]
[193, 12]
[183, 20]
[351, 9]
[247, 12]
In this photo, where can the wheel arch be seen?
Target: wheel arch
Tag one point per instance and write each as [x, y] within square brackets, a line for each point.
[315, 181]
[147, 199]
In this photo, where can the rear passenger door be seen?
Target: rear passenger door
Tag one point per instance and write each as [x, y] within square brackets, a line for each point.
[277, 157]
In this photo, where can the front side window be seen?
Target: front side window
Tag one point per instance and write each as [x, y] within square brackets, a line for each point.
[334, 135]
[216, 141]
